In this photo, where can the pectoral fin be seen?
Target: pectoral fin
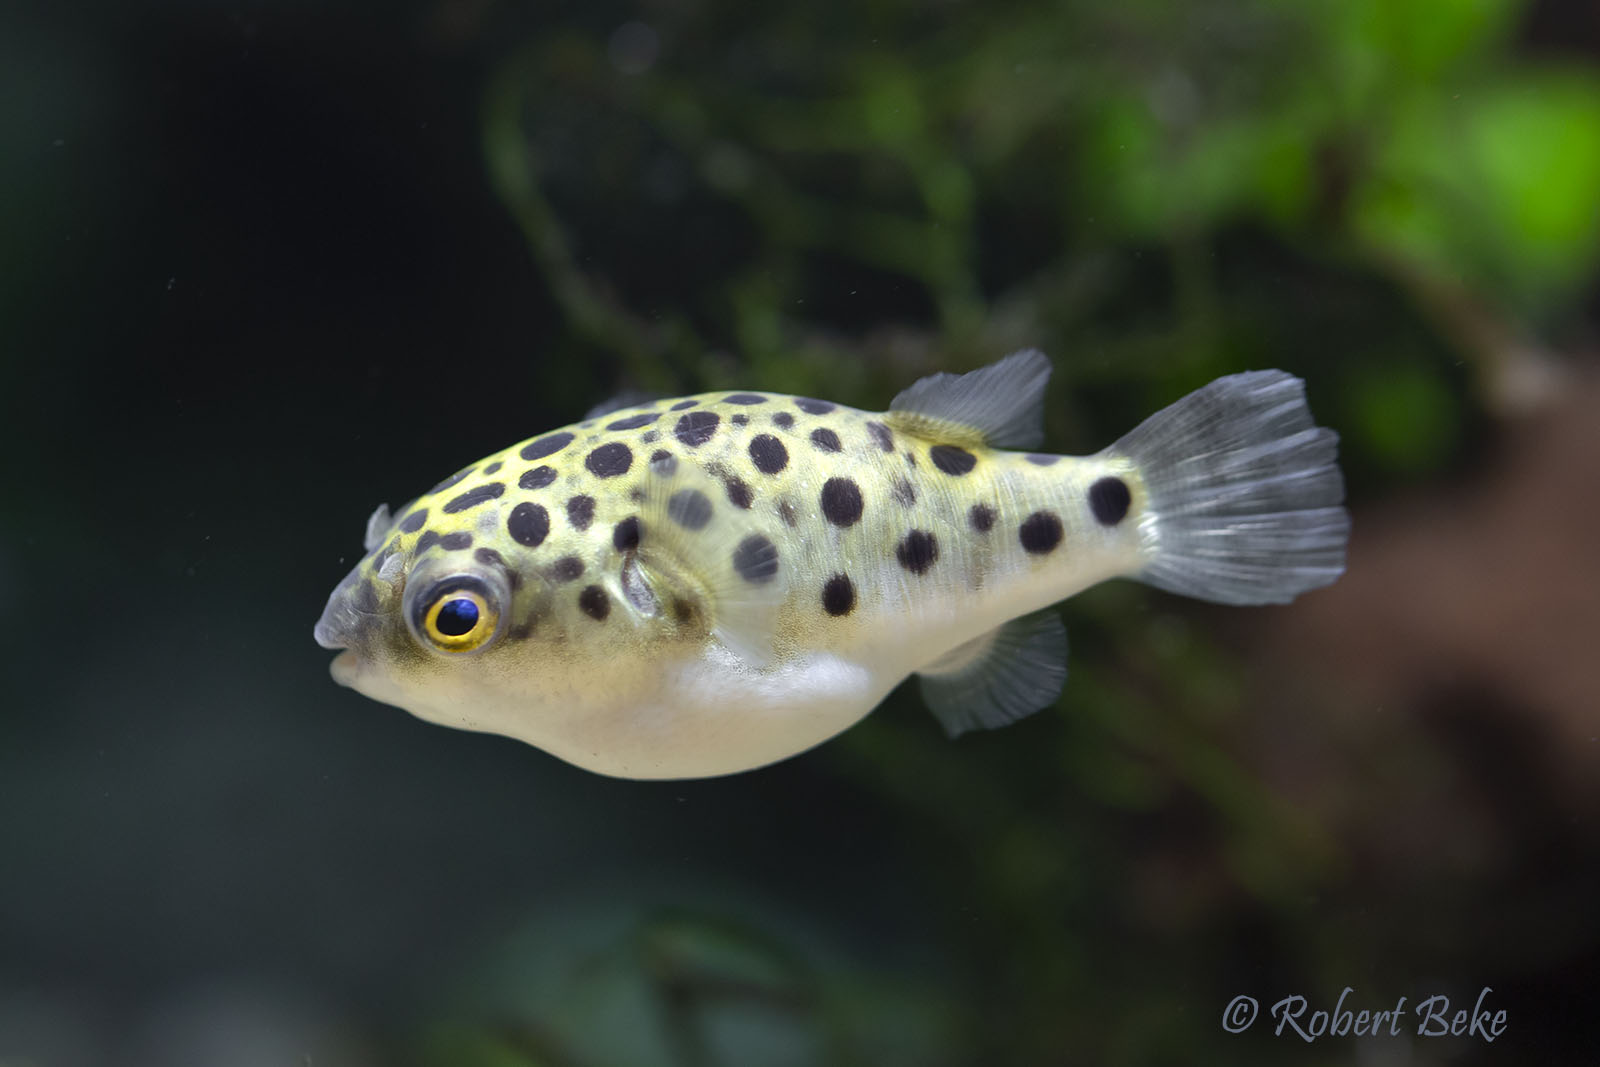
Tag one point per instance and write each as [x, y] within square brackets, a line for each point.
[1002, 676]
[691, 535]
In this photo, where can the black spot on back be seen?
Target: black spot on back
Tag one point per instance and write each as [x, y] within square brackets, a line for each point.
[528, 524]
[683, 405]
[696, 428]
[456, 542]
[609, 460]
[786, 511]
[917, 551]
[650, 437]
[689, 508]
[952, 460]
[565, 569]
[813, 407]
[880, 433]
[739, 494]
[663, 462]
[478, 494]
[825, 439]
[1039, 459]
[1040, 532]
[536, 478]
[756, 560]
[744, 398]
[981, 516]
[493, 468]
[452, 480]
[739, 419]
[838, 595]
[768, 453]
[413, 522]
[784, 419]
[580, 512]
[632, 422]
[1109, 499]
[428, 539]
[546, 446]
[903, 491]
[841, 501]
[625, 534]
[594, 602]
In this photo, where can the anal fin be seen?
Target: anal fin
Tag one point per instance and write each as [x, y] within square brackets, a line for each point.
[999, 677]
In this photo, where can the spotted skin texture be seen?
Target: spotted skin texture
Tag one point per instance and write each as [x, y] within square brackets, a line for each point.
[671, 557]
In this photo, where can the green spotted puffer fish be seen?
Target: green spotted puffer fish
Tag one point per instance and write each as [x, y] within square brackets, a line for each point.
[695, 587]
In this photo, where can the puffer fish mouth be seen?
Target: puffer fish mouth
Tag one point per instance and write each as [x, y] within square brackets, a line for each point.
[332, 632]
[327, 635]
[334, 628]
[343, 628]
[341, 622]
[345, 667]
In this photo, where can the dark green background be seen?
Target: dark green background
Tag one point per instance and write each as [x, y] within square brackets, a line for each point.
[264, 265]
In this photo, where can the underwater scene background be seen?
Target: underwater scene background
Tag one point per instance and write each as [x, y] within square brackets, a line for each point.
[264, 265]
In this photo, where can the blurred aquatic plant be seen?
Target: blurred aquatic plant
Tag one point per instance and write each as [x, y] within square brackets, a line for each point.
[642, 982]
[965, 172]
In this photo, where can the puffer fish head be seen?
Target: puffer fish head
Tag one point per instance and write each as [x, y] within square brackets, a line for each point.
[510, 597]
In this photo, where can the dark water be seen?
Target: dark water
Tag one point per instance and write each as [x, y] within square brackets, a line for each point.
[267, 265]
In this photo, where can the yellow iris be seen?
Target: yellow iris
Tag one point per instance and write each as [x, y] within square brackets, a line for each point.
[460, 621]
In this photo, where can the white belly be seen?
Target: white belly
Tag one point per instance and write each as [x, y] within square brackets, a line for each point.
[715, 715]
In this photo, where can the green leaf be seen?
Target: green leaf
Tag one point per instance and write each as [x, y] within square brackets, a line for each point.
[1495, 187]
[1402, 416]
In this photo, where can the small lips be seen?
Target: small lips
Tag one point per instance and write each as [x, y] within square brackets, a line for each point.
[340, 623]
[345, 666]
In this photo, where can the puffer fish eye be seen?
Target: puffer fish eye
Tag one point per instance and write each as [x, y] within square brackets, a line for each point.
[459, 616]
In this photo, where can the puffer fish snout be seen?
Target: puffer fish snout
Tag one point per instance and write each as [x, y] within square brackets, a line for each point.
[345, 617]
[328, 631]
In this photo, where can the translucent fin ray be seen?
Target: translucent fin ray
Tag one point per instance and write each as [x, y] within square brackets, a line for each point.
[1001, 405]
[1244, 492]
[1002, 676]
[693, 542]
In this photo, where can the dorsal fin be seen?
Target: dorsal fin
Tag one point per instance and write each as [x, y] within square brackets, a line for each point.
[1000, 406]
[999, 677]
[689, 531]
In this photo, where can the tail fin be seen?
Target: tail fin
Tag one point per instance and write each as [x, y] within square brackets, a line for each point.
[1244, 492]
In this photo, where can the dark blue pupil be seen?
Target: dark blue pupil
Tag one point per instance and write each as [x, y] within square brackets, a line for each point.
[457, 617]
